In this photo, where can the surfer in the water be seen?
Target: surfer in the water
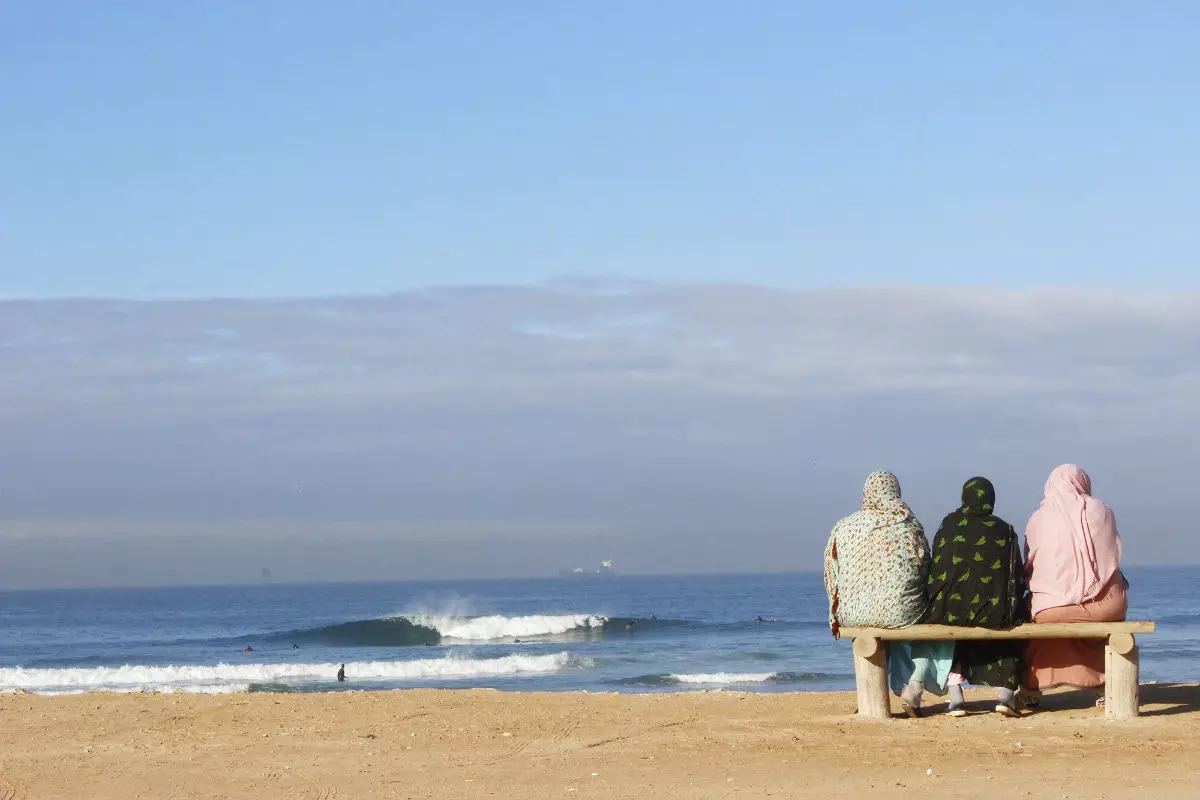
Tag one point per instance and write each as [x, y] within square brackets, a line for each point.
[342, 673]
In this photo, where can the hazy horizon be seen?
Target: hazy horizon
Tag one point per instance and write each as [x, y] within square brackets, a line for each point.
[470, 432]
[461, 581]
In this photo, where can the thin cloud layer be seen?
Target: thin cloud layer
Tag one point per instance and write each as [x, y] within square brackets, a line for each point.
[696, 427]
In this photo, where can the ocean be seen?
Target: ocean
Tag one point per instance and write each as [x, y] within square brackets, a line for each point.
[613, 634]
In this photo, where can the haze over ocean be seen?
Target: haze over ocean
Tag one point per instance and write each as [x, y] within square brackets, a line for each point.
[478, 432]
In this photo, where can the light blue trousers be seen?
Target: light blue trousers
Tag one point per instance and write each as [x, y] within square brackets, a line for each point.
[927, 662]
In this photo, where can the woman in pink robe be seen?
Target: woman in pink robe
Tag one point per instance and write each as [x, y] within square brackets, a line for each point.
[1073, 565]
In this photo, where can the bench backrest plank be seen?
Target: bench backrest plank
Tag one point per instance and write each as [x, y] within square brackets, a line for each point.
[1046, 630]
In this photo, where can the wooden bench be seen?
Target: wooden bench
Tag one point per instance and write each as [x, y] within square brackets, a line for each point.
[1120, 660]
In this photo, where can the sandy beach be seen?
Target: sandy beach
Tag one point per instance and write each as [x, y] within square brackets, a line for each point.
[482, 743]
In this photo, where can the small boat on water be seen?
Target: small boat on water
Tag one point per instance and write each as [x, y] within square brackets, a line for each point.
[604, 571]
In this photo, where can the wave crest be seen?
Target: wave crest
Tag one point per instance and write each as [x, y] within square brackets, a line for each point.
[386, 632]
[408, 630]
[724, 678]
[493, 627]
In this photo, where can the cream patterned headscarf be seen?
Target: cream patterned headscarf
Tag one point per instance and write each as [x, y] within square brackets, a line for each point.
[881, 497]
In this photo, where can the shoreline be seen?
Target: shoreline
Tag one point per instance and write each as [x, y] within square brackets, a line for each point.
[469, 743]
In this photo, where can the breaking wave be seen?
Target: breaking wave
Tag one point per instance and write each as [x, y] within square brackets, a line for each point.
[723, 678]
[386, 632]
[408, 630]
[221, 678]
[490, 628]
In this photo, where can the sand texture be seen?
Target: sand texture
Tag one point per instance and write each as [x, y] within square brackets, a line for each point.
[473, 744]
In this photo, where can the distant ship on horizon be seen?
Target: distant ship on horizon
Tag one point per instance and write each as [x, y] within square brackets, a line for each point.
[604, 571]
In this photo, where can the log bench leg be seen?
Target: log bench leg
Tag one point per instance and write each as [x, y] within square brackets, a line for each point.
[870, 676]
[1121, 668]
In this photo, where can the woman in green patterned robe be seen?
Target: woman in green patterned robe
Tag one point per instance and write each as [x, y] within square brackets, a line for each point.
[978, 579]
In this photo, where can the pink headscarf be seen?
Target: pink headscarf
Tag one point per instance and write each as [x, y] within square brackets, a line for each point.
[1073, 550]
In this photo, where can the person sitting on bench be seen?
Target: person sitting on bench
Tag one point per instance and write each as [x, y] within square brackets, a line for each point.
[876, 567]
[1073, 566]
[977, 579]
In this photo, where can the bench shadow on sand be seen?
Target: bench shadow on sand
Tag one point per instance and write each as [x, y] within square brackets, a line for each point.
[1157, 700]
[1178, 698]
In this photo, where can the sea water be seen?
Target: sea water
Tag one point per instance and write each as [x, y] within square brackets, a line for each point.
[622, 633]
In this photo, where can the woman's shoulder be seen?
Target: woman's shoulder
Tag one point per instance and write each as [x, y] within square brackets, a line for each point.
[1001, 522]
[1032, 523]
[910, 524]
[951, 520]
[1101, 518]
[945, 525]
[1098, 508]
[846, 525]
[1006, 526]
[848, 520]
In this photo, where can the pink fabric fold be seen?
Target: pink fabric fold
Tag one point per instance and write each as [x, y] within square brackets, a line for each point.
[1073, 550]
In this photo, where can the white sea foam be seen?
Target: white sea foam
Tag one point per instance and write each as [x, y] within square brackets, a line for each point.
[722, 678]
[482, 629]
[222, 678]
[166, 688]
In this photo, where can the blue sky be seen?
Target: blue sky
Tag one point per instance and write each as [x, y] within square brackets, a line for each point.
[191, 149]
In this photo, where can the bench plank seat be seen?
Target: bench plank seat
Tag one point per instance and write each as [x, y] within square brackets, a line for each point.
[1048, 630]
[1121, 657]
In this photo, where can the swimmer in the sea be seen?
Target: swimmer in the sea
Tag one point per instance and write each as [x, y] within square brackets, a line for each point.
[341, 673]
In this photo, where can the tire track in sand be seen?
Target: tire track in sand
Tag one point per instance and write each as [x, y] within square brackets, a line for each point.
[174, 790]
[557, 738]
[664, 726]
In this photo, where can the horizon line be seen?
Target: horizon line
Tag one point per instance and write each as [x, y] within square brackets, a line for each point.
[368, 582]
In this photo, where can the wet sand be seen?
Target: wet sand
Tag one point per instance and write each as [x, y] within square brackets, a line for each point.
[481, 743]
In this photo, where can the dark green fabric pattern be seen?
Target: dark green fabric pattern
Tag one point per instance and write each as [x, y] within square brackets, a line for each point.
[977, 578]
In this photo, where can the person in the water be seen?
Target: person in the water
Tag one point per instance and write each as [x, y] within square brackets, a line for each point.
[342, 673]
